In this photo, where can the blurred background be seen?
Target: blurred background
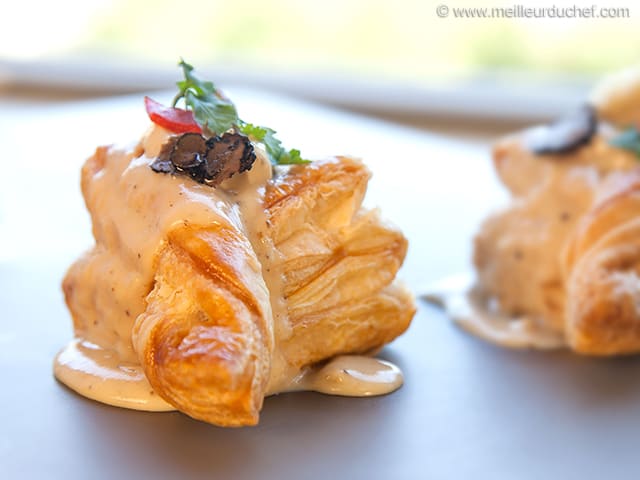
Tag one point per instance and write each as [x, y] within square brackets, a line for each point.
[404, 60]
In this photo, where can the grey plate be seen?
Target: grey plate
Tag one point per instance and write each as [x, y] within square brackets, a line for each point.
[467, 409]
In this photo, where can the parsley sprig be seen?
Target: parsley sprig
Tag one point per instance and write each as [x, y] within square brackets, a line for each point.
[272, 145]
[628, 139]
[216, 113]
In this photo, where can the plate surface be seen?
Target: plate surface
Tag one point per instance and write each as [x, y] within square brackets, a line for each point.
[467, 409]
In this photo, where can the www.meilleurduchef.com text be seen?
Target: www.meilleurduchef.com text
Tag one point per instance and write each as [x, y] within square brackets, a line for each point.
[527, 11]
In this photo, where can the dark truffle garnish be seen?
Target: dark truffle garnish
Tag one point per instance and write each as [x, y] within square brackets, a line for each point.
[163, 164]
[189, 151]
[565, 134]
[206, 161]
[229, 154]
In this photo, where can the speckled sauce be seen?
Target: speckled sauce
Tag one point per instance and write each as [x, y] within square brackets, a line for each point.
[101, 375]
[133, 208]
[466, 305]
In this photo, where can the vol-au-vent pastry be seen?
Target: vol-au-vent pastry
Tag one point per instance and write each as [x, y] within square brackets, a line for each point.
[560, 265]
[227, 268]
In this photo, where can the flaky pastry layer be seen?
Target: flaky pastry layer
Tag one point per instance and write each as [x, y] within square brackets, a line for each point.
[175, 282]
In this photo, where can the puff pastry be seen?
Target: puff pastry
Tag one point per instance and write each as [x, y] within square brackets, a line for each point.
[565, 251]
[222, 296]
[602, 261]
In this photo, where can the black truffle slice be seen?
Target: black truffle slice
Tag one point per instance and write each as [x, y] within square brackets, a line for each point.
[229, 154]
[163, 164]
[189, 151]
[206, 161]
[565, 134]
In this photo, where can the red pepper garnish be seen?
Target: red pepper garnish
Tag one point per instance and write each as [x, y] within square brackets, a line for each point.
[174, 119]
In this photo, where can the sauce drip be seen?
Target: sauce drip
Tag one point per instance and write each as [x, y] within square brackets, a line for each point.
[351, 376]
[474, 311]
[100, 374]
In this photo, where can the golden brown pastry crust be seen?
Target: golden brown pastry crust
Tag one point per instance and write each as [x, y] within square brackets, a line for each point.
[202, 327]
[339, 263]
[565, 249]
[518, 250]
[618, 203]
[617, 98]
[204, 340]
[603, 265]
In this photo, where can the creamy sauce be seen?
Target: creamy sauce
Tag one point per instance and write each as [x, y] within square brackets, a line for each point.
[100, 375]
[253, 217]
[350, 376]
[132, 211]
[471, 309]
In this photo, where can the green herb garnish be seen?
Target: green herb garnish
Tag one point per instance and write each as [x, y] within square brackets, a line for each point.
[629, 139]
[272, 145]
[217, 114]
